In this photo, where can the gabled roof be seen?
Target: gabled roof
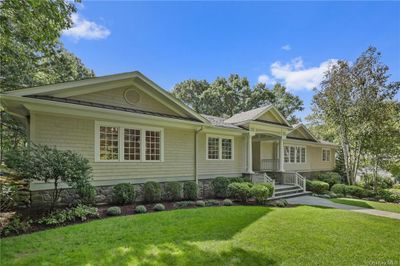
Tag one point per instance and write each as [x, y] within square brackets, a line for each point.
[73, 88]
[298, 126]
[254, 114]
[219, 121]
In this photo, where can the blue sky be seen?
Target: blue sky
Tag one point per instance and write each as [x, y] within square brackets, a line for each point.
[287, 42]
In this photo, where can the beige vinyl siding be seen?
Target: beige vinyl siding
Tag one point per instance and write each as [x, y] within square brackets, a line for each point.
[116, 97]
[213, 168]
[77, 134]
[313, 161]
[268, 116]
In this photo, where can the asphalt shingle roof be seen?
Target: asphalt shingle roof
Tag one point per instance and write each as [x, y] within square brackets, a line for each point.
[246, 116]
[218, 121]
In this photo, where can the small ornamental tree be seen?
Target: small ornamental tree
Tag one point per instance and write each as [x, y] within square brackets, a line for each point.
[47, 164]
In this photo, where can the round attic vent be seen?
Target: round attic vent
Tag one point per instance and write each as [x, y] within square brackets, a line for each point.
[131, 96]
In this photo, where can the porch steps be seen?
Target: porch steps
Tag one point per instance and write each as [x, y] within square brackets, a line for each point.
[282, 192]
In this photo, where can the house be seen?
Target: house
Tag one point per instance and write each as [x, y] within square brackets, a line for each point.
[131, 130]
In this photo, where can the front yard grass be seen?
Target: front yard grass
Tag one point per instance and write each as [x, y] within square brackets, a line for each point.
[383, 206]
[238, 235]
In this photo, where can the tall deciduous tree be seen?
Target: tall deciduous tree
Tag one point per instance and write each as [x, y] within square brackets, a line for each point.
[351, 100]
[227, 96]
[31, 54]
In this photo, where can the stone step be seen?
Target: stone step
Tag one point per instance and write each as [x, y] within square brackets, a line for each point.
[290, 195]
[277, 188]
[288, 192]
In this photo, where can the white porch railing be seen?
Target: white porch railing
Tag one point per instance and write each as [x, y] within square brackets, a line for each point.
[301, 181]
[263, 178]
[268, 179]
[292, 178]
[269, 164]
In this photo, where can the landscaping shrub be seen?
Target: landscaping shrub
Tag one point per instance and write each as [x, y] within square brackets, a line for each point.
[390, 195]
[260, 192]
[227, 202]
[212, 202]
[123, 193]
[318, 187]
[159, 207]
[8, 196]
[367, 181]
[236, 180]
[184, 204]
[270, 188]
[220, 186]
[86, 193]
[200, 203]
[396, 186]
[190, 190]
[43, 163]
[240, 191]
[114, 211]
[355, 191]
[15, 226]
[173, 191]
[331, 178]
[80, 212]
[152, 191]
[339, 189]
[140, 209]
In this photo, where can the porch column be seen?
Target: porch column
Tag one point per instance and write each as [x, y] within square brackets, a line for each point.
[250, 152]
[281, 154]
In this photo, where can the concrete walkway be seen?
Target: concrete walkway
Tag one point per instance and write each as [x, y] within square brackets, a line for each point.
[316, 201]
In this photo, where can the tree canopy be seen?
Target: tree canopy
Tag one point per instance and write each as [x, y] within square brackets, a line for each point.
[228, 96]
[356, 104]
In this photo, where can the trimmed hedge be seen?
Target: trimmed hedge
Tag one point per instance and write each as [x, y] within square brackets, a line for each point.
[227, 202]
[260, 192]
[331, 178]
[318, 187]
[240, 191]
[114, 211]
[123, 193]
[356, 191]
[152, 191]
[190, 190]
[173, 191]
[220, 186]
[140, 209]
[339, 189]
[390, 195]
[159, 207]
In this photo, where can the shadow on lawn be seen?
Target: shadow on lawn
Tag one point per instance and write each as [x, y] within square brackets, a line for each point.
[197, 245]
[183, 237]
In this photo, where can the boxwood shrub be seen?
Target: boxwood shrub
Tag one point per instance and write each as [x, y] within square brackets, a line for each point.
[390, 195]
[355, 191]
[220, 186]
[227, 202]
[260, 192]
[190, 190]
[200, 203]
[152, 191]
[331, 178]
[240, 191]
[140, 209]
[159, 207]
[318, 187]
[123, 193]
[339, 189]
[173, 191]
[114, 211]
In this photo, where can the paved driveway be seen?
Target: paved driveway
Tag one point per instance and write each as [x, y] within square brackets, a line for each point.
[316, 201]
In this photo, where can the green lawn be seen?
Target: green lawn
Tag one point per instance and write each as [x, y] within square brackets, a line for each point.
[237, 235]
[390, 207]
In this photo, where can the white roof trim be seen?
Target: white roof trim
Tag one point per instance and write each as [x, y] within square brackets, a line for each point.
[99, 80]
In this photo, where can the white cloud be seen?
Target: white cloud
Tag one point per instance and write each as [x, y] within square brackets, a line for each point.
[286, 47]
[265, 79]
[85, 29]
[295, 76]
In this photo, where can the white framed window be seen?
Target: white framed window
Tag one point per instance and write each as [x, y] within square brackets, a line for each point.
[326, 155]
[286, 150]
[219, 147]
[128, 143]
[294, 154]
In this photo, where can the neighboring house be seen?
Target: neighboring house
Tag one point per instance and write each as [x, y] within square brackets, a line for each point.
[131, 130]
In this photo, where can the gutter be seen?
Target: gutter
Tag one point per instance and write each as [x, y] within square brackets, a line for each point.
[196, 170]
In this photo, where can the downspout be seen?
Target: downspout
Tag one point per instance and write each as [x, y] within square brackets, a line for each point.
[196, 170]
